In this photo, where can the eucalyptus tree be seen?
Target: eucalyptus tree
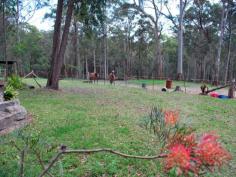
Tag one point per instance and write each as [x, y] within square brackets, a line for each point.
[201, 25]
[157, 28]
[224, 16]
[230, 30]
[59, 45]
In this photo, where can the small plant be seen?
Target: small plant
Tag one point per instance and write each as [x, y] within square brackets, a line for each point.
[164, 124]
[15, 81]
[9, 93]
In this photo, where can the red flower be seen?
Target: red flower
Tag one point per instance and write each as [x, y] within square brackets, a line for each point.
[178, 157]
[171, 117]
[188, 141]
[210, 152]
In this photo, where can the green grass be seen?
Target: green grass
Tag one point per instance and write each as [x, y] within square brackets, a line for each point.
[90, 116]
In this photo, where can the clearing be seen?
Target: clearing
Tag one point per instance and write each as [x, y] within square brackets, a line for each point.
[83, 115]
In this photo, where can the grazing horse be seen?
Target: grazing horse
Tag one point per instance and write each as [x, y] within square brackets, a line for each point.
[112, 77]
[93, 77]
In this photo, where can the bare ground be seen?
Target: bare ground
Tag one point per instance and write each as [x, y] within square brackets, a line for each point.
[195, 90]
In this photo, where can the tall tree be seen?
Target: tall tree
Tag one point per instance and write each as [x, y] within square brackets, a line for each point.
[224, 15]
[182, 6]
[157, 29]
[59, 45]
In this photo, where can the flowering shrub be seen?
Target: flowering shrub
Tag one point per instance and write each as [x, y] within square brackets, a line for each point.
[179, 156]
[210, 152]
[189, 140]
[186, 152]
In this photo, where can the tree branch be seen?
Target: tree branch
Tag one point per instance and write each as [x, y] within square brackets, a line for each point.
[37, 154]
[91, 151]
[170, 16]
[136, 7]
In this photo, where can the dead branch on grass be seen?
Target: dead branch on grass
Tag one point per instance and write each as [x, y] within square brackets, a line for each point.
[63, 150]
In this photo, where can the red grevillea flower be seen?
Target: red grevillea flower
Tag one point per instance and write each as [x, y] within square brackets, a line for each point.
[178, 157]
[210, 152]
[188, 141]
[171, 117]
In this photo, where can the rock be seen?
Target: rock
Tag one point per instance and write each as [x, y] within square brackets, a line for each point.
[19, 111]
[5, 120]
[11, 112]
[1, 97]
[5, 104]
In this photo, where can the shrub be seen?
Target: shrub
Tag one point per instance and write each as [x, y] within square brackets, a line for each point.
[9, 93]
[15, 81]
[210, 152]
[186, 154]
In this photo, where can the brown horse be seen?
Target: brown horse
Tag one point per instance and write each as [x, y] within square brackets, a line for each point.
[93, 77]
[112, 77]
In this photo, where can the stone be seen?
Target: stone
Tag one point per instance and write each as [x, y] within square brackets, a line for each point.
[10, 113]
[5, 104]
[1, 97]
[5, 120]
[19, 111]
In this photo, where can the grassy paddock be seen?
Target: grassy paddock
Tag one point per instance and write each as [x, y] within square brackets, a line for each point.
[92, 116]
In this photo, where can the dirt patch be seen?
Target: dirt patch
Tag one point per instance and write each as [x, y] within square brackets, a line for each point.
[17, 125]
[195, 90]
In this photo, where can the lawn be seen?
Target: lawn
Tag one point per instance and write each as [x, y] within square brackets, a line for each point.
[83, 115]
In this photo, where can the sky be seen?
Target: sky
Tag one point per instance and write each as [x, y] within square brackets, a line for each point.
[47, 24]
[37, 18]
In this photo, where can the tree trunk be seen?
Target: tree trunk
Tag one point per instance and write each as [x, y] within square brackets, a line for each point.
[4, 39]
[53, 80]
[86, 66]
[18, 59]
[157, 40]
[105, 53]
[228, 54]
[222, 26]
[180, 43]
[56, 42]
[76, 51]
[94, 60]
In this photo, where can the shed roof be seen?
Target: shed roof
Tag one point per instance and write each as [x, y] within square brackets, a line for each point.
[9, 62]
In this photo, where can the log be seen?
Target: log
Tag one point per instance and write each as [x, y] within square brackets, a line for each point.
[218, 88]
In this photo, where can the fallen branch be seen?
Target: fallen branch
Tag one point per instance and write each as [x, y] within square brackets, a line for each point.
[91, 151]
[218, 88]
